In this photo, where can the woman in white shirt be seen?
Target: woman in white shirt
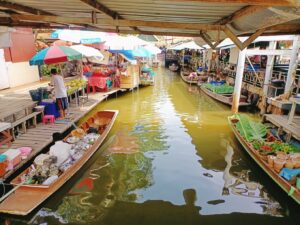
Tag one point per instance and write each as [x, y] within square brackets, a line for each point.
[60, 92]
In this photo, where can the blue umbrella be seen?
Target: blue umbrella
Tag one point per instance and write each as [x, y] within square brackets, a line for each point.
[127, 53]
[142, 52]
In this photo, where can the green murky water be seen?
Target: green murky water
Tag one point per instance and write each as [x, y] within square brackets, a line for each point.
[184, 167]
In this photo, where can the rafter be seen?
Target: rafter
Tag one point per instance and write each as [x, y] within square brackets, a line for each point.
[234, 38]
[245, 11]
[289, 3]
[5, 21]
[204, 36]
[285, 27]
[246, 43]
[253, 37]
[102, 8]
[118, 23]
[23, 8]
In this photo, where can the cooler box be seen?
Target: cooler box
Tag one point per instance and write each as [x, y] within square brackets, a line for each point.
[13, 156]
[3, 165]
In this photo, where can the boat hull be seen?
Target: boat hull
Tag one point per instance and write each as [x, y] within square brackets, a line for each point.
[26, 198]
[185, 79]
[226, 99]
[286, 186]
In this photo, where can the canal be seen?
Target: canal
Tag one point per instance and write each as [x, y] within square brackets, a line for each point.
[171, 158]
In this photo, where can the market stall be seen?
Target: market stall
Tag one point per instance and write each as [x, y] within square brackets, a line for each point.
[57, 55]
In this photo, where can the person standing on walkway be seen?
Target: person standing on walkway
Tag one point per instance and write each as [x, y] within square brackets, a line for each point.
[60, 92]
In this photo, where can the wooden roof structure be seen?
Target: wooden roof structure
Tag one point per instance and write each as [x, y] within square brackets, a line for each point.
[211, 20]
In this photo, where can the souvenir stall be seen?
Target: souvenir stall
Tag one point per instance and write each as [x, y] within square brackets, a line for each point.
[127, 68]
[99, 76]
[154, 52]
[146, 76]
[102, 78]
[128, 71]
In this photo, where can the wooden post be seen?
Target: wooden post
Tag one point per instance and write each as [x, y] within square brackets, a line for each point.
[268, 73]
[269, 67]
[203, 59]
[238, 81]
[292, 65]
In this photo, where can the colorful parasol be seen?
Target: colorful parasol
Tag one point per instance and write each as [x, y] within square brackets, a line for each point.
[55, 54]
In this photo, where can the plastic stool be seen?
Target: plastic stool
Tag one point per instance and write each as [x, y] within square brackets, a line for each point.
[48, 118]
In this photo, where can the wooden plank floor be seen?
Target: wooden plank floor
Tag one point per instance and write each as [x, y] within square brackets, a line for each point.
[13, 103]
[42, 135]
[282, 121]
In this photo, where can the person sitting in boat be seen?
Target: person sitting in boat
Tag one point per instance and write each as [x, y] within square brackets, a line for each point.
[210, 78]
[60, 92]
[193, 76]
[173, 67]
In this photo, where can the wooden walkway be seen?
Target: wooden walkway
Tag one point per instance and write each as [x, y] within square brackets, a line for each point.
[280, 121]
[14, 104]
[41, 136]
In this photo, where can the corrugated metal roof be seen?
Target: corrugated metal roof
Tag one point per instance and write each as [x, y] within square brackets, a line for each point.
[169, 11]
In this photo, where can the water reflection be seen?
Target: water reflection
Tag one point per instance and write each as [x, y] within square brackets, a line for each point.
[170, 159]
[237, 182]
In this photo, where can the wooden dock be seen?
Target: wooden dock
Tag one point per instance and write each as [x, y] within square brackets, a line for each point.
[41, 136]
[281, 122]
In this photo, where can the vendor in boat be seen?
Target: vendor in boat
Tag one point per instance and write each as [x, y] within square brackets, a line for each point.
[60, 92]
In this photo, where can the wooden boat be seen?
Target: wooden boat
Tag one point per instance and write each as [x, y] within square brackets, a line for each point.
[285, 185]
[224, 98]
[202, 79]
[28, 197]
[185, 78]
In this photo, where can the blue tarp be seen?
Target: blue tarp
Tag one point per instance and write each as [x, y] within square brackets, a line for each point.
[127, 53]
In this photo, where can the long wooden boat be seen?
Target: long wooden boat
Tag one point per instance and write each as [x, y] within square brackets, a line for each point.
[185, 78]
[285, 185]
[28, 197]
[224, 98]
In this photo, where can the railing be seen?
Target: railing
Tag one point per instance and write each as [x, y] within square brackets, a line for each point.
[250, 77]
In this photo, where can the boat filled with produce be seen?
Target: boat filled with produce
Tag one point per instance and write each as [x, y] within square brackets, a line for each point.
[219, 89]
[53, 169]
[280, 160]
[222, 92]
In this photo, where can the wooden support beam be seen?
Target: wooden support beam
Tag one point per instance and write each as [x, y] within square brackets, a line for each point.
[189, 26]
[289, 3]
[175, 34]
[245, 44]
[245, 11]
[100, 7]
[206, 39]
[6, 21]
[253, 37]
[217, 43]
[233, 37]
[119, 22]
[285, 27]
[94, 17]
[23, 8]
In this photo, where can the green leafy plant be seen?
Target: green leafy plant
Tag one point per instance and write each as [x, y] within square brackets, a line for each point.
[45, 69]
[250, 129]
[284, 147]
[220, 89]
